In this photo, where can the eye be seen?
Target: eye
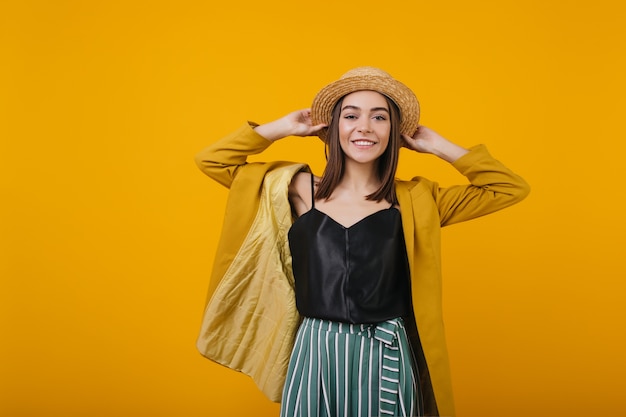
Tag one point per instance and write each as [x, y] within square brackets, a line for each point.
[350, 116]
[380, 117]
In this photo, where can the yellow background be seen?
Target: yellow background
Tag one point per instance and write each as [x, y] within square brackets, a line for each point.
[108, 229]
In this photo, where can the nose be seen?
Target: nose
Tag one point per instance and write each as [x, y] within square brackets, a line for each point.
[364, 126]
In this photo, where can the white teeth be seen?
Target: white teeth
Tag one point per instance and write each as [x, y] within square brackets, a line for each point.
[363, 142]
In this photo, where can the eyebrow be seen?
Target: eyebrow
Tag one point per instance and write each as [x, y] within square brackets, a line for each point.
[373, 109]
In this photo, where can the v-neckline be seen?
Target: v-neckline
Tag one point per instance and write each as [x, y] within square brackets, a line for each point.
[355, 223]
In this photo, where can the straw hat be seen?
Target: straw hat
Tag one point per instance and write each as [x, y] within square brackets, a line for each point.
[367, 78]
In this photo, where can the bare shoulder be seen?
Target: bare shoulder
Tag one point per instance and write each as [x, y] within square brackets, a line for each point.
[300, 193]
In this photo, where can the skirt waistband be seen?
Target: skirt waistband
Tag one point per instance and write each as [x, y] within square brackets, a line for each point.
[385, 331]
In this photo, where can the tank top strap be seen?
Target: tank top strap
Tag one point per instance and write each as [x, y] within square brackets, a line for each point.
[312, 192]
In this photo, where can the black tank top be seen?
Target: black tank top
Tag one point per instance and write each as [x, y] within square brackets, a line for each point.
[356, 274]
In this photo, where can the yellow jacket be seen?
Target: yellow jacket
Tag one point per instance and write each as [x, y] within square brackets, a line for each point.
[250, 318]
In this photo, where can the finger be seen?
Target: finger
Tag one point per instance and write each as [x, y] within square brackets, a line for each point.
[406, 141]
[317, 128]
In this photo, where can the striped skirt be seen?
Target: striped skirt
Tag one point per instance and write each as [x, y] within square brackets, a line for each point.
[351, 370]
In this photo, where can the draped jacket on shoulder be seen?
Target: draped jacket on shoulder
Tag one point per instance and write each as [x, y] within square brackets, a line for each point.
[250, 318]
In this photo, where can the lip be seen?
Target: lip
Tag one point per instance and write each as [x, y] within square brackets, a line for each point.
[363, 142]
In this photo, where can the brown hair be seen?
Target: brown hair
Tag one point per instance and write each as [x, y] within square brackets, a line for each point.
[387, 162]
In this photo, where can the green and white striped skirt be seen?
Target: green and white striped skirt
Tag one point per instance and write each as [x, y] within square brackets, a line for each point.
[351, 370]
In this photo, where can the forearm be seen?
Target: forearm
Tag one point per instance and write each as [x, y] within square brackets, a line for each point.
[493, 187]
[274, 131]
[426, 140]
[222, 159]
[484, 171]
[297, 123]
[448, 151]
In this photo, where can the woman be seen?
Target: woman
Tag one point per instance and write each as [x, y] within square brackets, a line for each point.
[350, 259]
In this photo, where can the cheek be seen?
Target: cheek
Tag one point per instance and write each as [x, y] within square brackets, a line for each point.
[385, 145]
[344, 130]
[385, 132]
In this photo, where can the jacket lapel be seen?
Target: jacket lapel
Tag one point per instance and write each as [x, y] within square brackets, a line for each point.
[406, 212]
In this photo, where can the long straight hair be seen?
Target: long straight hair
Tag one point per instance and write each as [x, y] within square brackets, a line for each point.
[387, 163]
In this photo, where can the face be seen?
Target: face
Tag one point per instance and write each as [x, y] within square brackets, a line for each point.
[364, 126]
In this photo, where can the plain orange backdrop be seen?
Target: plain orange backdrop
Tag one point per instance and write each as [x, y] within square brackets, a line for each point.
[107, 228]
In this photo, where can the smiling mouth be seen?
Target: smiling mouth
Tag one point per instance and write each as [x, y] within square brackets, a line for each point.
[363, 142]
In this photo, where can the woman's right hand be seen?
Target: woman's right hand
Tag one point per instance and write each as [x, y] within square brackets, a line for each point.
[297, 123]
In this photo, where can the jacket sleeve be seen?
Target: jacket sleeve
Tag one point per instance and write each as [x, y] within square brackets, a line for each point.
[223, 159]
[493, 187]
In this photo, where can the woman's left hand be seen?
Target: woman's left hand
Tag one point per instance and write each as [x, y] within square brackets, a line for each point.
[426, 140]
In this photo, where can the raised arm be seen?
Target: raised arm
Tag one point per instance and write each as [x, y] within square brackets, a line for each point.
[426, 140]
[297, 123]
[223, 159]
[493, 185]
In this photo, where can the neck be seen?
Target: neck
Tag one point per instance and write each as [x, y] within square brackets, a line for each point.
[360, 178]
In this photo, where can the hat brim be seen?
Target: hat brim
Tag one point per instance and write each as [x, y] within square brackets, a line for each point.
[325, 100]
